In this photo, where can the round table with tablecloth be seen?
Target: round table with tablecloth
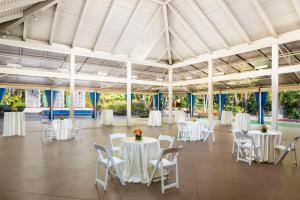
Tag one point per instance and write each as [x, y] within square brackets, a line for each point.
[136, 155]
[154, 118]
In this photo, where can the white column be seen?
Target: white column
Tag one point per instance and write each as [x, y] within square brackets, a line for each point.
[260, 107]
[274, 85]
[72, 84]
[128, 93]
[170, 89]
[210, 90]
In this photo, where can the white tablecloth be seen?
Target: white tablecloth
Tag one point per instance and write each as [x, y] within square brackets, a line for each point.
[267, 142]
[179, 115]
[242, 121]
[137, 155]
[62, 128]
[195, 130]
[226, 117]
[154, 118]
[14, 124]
[107, 117]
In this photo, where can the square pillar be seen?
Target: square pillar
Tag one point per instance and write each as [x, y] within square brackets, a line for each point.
[128, 93]
[210, 90]
[170, 90]
[72, 85]
[274, 85]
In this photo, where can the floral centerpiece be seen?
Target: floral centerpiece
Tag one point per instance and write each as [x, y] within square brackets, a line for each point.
[263, 128]
[138, 134]
[194, 119]
[61, 117]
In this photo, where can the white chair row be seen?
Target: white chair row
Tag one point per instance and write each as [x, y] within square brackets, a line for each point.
[183, 131]
[114, 164]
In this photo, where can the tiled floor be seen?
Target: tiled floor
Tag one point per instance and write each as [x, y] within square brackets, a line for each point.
[65, 170]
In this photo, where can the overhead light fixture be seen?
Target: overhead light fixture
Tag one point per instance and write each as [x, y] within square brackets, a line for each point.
[261, 67]
[219, 73]
[133, 77]
[188, 78]
[63, 70]
[102, 73]
[13, 65]
[159, 79]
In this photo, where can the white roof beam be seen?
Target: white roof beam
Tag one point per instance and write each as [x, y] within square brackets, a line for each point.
[296, 4]
[177, 37]
[189, 27]
[239, 76]
[128, 23]
[54, 21]
[157, 1]
[27, 14]
[167, 33]
[153, 44]
[234, 20]
[24, 30]
[103, 26]
[18, 4]
[208, 23]
[264, 17]
[11, 17]
[146, 29]
[80, 21]
[32, 72]
[242, 48]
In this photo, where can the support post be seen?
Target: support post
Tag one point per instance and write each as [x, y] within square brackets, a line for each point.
[220, 106]
[274, 85]
[52, 104]
[72, 84]
[170, 89]
[128, 93]
[210, 90]
[260, 107]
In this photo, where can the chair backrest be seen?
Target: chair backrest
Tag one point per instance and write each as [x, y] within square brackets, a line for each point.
[170, 152]
[116, 136]
[167, 138]
[243, 137]
[103, 151]
[292, 143]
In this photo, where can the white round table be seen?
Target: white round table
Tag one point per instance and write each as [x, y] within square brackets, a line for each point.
[179, 115]
[195, 130]
[107, 117]
[154, 118]
[242, 121]
[226, 117]
[137, 155]
[267, 142]
[62, 128]
[14, 124]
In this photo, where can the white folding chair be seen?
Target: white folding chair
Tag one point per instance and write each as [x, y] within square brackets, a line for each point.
[113, 137]
[165, 164]
[47, 133]
[210, 130]
[291, 147]
[247, 149]
[111, 164]
[182, 131]
[166, 138]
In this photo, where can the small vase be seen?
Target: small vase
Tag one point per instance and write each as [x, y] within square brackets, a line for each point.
[263, 130]
[138, 137]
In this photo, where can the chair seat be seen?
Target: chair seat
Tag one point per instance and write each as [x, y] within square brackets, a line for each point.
[248, 146]
[117, 161]
[165, 162]
[281, 147]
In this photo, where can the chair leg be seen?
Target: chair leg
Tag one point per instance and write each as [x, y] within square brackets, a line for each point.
[162, 179]
[250, 156]
[238, 154]
[177, 175]
[106, 176]
[214, 137]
